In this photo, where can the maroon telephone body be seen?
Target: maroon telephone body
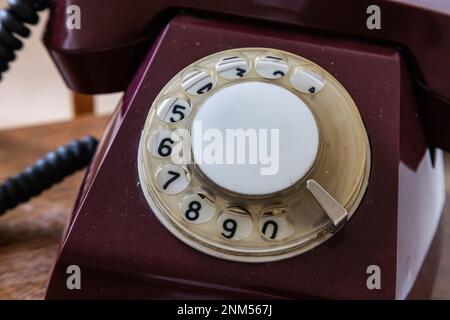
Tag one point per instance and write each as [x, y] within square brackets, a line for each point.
[393, 74]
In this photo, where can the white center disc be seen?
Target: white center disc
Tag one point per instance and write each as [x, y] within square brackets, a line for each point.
[278, 147]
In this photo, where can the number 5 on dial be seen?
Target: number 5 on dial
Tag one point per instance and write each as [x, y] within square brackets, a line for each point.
[173, 109]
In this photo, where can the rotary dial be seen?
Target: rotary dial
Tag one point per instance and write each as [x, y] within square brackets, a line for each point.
[253, 155]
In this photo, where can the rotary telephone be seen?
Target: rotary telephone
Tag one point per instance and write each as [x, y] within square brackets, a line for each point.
[339, 190]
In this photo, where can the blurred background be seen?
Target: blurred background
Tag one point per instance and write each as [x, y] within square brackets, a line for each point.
[33, 92]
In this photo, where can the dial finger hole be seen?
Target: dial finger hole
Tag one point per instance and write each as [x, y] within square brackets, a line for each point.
[197, 208]
[235, 224]
[172, 179]
[233, 67]
[197, 82]
[275, 226]
[173, 109]
[271, 66]
[161, 143]
[307, 80]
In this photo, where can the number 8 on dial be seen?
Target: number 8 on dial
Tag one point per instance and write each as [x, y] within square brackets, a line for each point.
[197, 208]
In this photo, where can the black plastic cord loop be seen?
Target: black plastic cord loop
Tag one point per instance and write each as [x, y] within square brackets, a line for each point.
[47, 171]
[13, 22]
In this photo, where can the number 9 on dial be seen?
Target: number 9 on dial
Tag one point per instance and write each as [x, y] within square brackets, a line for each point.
[235, 226]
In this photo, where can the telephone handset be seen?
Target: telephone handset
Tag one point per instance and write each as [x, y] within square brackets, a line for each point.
[342, 176]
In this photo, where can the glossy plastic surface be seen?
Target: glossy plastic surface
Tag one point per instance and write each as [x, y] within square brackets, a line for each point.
[125, 252]
[104, 54]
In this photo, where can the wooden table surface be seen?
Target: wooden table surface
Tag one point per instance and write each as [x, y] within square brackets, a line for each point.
[29, 234]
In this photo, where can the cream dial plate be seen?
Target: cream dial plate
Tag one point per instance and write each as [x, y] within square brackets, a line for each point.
[295, 194]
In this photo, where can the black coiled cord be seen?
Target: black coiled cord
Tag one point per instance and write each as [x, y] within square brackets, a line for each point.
[58, 164]
[13, 22]
[51, 169]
